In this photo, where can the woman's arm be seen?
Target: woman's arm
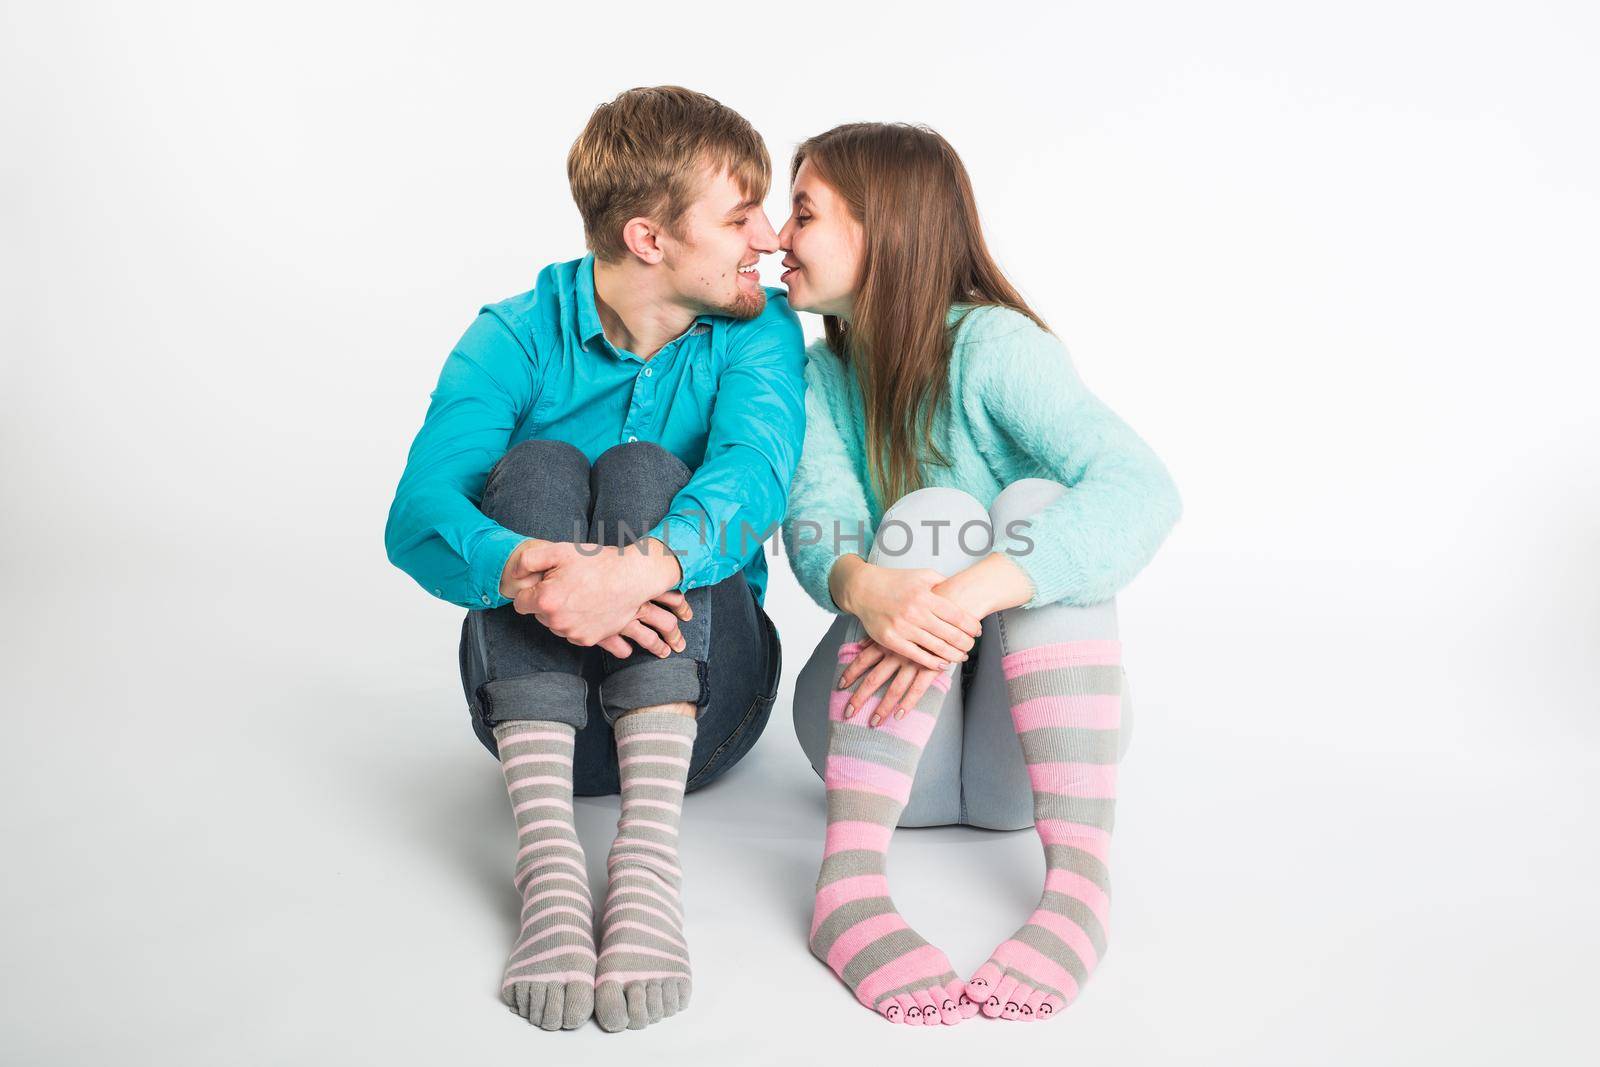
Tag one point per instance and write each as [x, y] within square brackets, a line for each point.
[828, 533]
[1120, 503]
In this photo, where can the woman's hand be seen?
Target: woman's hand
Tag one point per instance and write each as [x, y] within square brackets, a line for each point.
[900, 611]
[874, 666]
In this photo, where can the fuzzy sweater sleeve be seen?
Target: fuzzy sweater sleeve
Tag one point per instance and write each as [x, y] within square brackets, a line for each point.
[1120, 503]
[828, 513]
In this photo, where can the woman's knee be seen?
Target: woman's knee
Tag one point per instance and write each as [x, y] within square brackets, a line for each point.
[1022, 498]
[937, 526]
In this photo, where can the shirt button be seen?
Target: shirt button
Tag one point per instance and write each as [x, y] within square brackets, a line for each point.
[632, 438]
[647, 372]
[438, 592]
[486, 598]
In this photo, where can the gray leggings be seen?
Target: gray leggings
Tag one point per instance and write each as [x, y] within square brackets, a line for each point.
[972, 770]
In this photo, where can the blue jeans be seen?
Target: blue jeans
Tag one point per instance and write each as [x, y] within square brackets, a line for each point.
[513, 667]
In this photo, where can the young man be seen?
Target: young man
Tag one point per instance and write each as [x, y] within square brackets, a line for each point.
[599, 465]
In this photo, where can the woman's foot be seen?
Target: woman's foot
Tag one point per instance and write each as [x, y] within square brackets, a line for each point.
[1066, 704]
[855, 928]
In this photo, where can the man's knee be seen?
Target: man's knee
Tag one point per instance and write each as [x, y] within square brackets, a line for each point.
[938, 527]
[642, 459]
[633, 486]
[535, 481]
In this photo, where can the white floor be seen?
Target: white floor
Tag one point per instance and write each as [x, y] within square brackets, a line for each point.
[279, 842]
[1335, 264]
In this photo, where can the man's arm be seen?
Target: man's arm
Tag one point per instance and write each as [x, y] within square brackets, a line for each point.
[716, 522]
[435, 532]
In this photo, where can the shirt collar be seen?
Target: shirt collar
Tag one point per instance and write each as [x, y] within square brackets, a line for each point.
[589, 314]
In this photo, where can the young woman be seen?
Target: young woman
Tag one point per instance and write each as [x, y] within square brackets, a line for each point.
[969, 510]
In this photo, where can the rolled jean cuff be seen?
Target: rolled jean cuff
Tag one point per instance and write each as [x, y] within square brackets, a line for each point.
[548, 696]
[658, 681]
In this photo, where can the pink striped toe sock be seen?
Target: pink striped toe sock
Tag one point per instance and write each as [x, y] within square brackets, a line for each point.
[1066, 704]
[855, 928]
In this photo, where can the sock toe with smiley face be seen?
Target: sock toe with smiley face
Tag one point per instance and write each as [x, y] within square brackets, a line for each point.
[855, 928]
[1066, 701]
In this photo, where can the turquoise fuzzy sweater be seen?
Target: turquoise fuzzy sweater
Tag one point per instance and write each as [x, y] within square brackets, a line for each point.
[1016, 409]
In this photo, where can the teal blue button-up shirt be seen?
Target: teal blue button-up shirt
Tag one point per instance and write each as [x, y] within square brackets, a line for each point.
[726, 397]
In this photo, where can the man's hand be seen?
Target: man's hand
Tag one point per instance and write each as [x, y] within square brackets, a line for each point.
[600, 595]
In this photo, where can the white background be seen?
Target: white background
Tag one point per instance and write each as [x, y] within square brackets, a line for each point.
[1336, 263]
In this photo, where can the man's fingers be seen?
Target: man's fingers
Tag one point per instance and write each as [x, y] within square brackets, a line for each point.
[645, 638]
[676, 603]
[617, 646]
[524, 599]
[540, 555]
[664, 623]
[870, 653]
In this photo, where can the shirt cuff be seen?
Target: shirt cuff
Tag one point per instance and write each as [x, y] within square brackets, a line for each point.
[687, 540]
[489, 565]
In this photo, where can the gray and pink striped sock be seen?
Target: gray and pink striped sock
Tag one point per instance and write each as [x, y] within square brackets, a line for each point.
[643, 975]
[549, 977]
[855, 928]
[1066, 704]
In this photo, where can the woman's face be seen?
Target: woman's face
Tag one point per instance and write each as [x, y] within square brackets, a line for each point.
[823, 248]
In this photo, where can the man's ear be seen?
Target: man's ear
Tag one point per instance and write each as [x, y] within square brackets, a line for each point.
[641, 237]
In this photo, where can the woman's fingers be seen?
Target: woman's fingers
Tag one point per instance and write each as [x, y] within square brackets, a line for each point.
[893, 699]
[873, 682]
[956, 615]
[912, 651]
[919, 686]
[664, 623]
[951, 634]
[932, 643]
[871, 652]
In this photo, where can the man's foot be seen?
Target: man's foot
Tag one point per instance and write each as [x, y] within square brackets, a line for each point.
[549, 977]
[643, 975]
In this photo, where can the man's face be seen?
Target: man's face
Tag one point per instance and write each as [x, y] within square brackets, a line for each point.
[713, 267]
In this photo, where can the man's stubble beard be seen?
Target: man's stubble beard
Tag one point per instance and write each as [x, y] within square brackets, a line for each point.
[745, 306]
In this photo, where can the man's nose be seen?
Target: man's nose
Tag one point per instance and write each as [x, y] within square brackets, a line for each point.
[762, 238]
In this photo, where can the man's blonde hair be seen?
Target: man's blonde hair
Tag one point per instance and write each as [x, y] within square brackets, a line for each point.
[645, 154]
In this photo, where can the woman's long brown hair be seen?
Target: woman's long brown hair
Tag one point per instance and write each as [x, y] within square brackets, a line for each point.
[924, 251]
